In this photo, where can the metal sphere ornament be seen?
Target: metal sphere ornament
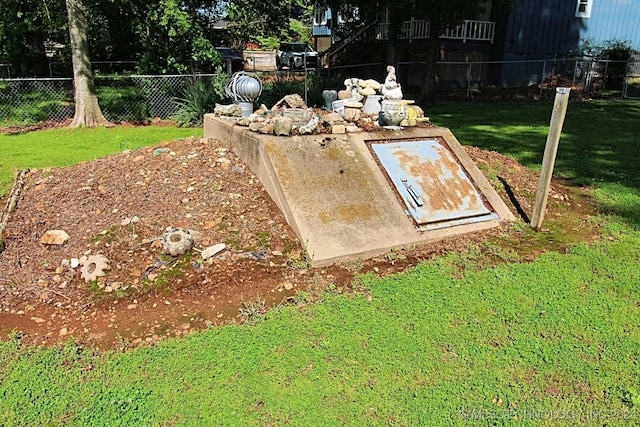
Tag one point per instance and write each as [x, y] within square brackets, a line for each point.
[244, 88]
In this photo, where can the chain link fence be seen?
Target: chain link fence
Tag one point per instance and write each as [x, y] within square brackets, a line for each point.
[122, 98]
[518, 79]
[26, 101]
[632, 81]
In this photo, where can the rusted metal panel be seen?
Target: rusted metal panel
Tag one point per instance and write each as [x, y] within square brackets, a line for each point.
[433, 185]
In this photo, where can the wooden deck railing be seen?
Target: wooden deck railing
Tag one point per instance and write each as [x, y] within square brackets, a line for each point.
[469, 30]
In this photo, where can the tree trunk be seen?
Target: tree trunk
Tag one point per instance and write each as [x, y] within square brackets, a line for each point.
[88, 111]
[37, 52]
[430, 85]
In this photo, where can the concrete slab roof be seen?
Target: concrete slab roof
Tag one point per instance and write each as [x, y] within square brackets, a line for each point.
[335, 195]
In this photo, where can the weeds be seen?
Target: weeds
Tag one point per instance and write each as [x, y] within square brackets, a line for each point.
[299, 260]
[252, 312]
[302, 298]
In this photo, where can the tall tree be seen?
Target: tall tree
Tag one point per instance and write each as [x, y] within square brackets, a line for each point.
[175, 38]
[87, 111]
[252, 19]
[25, 26]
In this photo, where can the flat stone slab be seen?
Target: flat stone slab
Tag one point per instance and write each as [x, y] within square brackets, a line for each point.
[334, 194]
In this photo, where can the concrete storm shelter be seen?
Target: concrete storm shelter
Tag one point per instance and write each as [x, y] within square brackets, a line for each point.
[357, 195]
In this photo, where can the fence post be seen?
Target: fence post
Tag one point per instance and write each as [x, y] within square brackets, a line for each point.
[625, 80]
[549, 158]
[544, 74]
[469, 75]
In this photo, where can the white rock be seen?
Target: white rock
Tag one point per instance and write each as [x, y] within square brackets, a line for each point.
[195, 234]
[212, 250]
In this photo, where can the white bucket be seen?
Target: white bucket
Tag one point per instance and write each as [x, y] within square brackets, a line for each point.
[247, 108]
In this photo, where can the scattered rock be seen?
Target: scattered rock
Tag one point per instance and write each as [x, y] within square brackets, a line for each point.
[333, 118]
[310, 126]
[290, 101]
[255, 126]
[231, 110]
[298, 115]
[282, 125]
[266, 129]
[213, 250]
[159, 151]
[54, 237]
[338, 129]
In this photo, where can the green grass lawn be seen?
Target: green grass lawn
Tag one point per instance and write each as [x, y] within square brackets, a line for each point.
[451, 342]
[600, 142]
[64, 147]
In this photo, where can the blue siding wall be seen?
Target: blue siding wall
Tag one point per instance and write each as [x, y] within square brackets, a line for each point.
[614, 19]
[542, 28]
[538, 30]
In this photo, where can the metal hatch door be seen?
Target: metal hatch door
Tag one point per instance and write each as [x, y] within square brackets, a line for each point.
[435, 188]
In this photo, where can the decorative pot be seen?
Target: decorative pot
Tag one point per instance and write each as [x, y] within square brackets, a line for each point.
[352, 111]
[392, 112]
[372, 104]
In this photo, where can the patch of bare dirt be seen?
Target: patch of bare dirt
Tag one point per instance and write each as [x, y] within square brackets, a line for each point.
[119, 206]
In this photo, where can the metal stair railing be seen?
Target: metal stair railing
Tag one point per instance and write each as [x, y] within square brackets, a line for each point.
[348, 46]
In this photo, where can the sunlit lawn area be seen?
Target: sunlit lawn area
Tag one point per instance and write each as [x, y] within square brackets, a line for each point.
[451, 342]
[64, 146]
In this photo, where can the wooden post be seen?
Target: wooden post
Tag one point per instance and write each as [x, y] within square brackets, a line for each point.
[549, 158]
[11, 204]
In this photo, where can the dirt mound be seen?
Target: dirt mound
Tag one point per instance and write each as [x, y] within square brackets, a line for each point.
[119, 206]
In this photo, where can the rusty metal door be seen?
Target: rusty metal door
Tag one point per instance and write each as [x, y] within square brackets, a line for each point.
[435, 188]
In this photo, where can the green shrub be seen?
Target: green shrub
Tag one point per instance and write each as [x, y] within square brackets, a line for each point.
[199, 97]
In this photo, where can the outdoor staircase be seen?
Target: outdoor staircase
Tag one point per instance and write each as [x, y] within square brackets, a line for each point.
[352, 48]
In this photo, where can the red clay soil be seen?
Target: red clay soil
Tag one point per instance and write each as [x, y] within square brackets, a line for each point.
[118, 206]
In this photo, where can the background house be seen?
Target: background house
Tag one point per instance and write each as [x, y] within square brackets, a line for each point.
[556, 29]
[536, 38]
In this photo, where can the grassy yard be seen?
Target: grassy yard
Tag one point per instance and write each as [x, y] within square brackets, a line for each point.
[451, 342]
[64, 147]
[599, 146]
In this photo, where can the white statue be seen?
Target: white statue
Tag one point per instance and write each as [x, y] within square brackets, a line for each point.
[391, 88]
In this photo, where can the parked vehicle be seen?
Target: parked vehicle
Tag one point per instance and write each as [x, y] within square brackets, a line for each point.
[296, 55]
[233, 60]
